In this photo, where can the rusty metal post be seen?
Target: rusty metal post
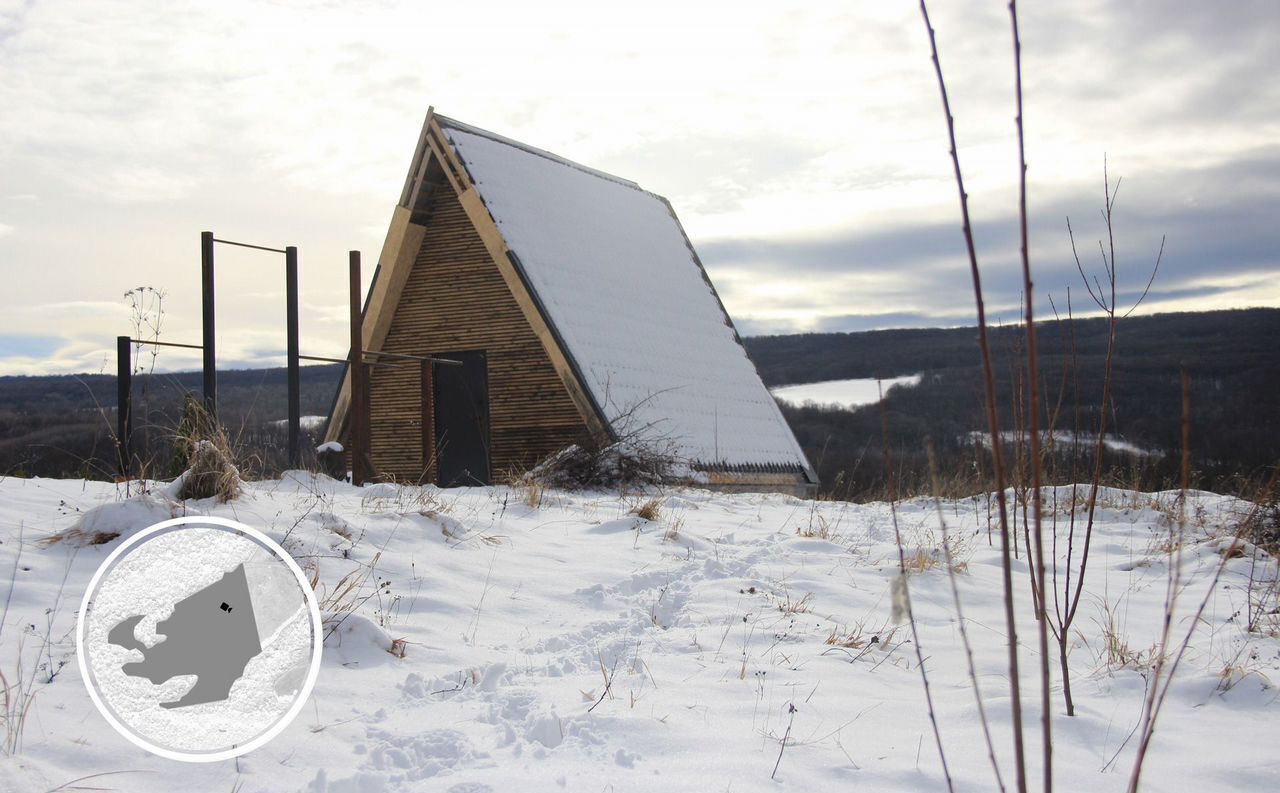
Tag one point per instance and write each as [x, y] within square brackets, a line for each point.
[124, 404]
[355, 424]
[295, 391]
[206, 311]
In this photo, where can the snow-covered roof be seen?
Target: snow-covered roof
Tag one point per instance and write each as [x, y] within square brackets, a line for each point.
[618, 281]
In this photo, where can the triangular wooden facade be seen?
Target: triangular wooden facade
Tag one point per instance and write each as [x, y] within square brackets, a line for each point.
[447, 283]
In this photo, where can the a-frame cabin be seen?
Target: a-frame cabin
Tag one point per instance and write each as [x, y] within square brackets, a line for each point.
[578, 309]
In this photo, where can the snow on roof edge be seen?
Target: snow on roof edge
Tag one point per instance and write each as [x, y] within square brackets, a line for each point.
[799, 462]
[806, 467]
[449, 123]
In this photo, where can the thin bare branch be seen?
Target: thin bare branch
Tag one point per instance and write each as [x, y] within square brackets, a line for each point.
[1155, 269]
[1080, 267]
[1015, 691]
[1033, 424]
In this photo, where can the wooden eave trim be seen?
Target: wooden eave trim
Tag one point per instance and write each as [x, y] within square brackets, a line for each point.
[457, 180]
[399, 250]
[473, 204]
[418, 165]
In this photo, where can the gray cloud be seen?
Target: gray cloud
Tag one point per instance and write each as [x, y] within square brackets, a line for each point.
[139, 125]
[1220, 224]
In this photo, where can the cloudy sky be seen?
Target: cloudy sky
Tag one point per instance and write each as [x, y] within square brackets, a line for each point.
[802, 144]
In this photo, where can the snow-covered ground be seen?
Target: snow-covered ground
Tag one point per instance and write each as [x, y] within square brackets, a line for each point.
[845, 393]
[573, 645]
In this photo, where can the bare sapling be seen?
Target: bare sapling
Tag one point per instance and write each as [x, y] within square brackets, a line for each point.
[1006, 562]
[1103, 294]
[1033, 423]
[1062, 619]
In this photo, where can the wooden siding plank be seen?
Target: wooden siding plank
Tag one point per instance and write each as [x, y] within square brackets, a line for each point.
[454, 297]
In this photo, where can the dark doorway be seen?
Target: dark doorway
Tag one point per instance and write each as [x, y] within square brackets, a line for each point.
[462, 420]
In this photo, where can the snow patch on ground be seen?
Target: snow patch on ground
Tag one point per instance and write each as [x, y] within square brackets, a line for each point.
[574, 646]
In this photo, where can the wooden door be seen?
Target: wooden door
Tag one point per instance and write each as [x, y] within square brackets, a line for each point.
[461, 413]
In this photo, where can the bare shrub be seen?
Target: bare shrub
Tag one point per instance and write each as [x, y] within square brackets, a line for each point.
[629, 463]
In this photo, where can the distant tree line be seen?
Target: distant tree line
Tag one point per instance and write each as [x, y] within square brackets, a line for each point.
[64, 425]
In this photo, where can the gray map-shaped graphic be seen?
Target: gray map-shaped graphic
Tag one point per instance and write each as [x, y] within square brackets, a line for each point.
[212, 634]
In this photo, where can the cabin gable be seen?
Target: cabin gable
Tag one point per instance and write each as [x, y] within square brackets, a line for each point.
[456, 299]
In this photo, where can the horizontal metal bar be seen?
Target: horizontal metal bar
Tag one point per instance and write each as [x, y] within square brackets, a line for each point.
[303, 357]
[424, 359]
[166, 344]
[247, 245]
[344, 360]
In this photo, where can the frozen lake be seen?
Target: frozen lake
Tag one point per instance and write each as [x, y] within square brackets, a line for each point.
[845, 393]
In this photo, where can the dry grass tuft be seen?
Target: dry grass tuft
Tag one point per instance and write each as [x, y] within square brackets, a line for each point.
[201, 446]
[673, 530]
[650, 510]
[78, 538]
[802, 606]
[930, 552]
[817, 528]
[921, 560]
[346, 596]
[1116, 652]
[211, 473]
[858, 637]
[859, 640]
[532, 493]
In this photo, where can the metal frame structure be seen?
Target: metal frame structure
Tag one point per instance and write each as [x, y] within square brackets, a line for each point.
[207, 313]
[355, 360]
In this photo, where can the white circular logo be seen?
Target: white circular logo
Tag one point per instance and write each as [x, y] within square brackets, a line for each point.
[199, 639]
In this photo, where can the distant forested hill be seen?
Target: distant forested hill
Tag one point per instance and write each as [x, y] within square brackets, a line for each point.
[1217, 341]
[60, 425]
[1232, 358]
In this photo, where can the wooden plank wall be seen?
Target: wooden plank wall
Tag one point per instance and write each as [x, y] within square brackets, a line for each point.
[456, 299]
